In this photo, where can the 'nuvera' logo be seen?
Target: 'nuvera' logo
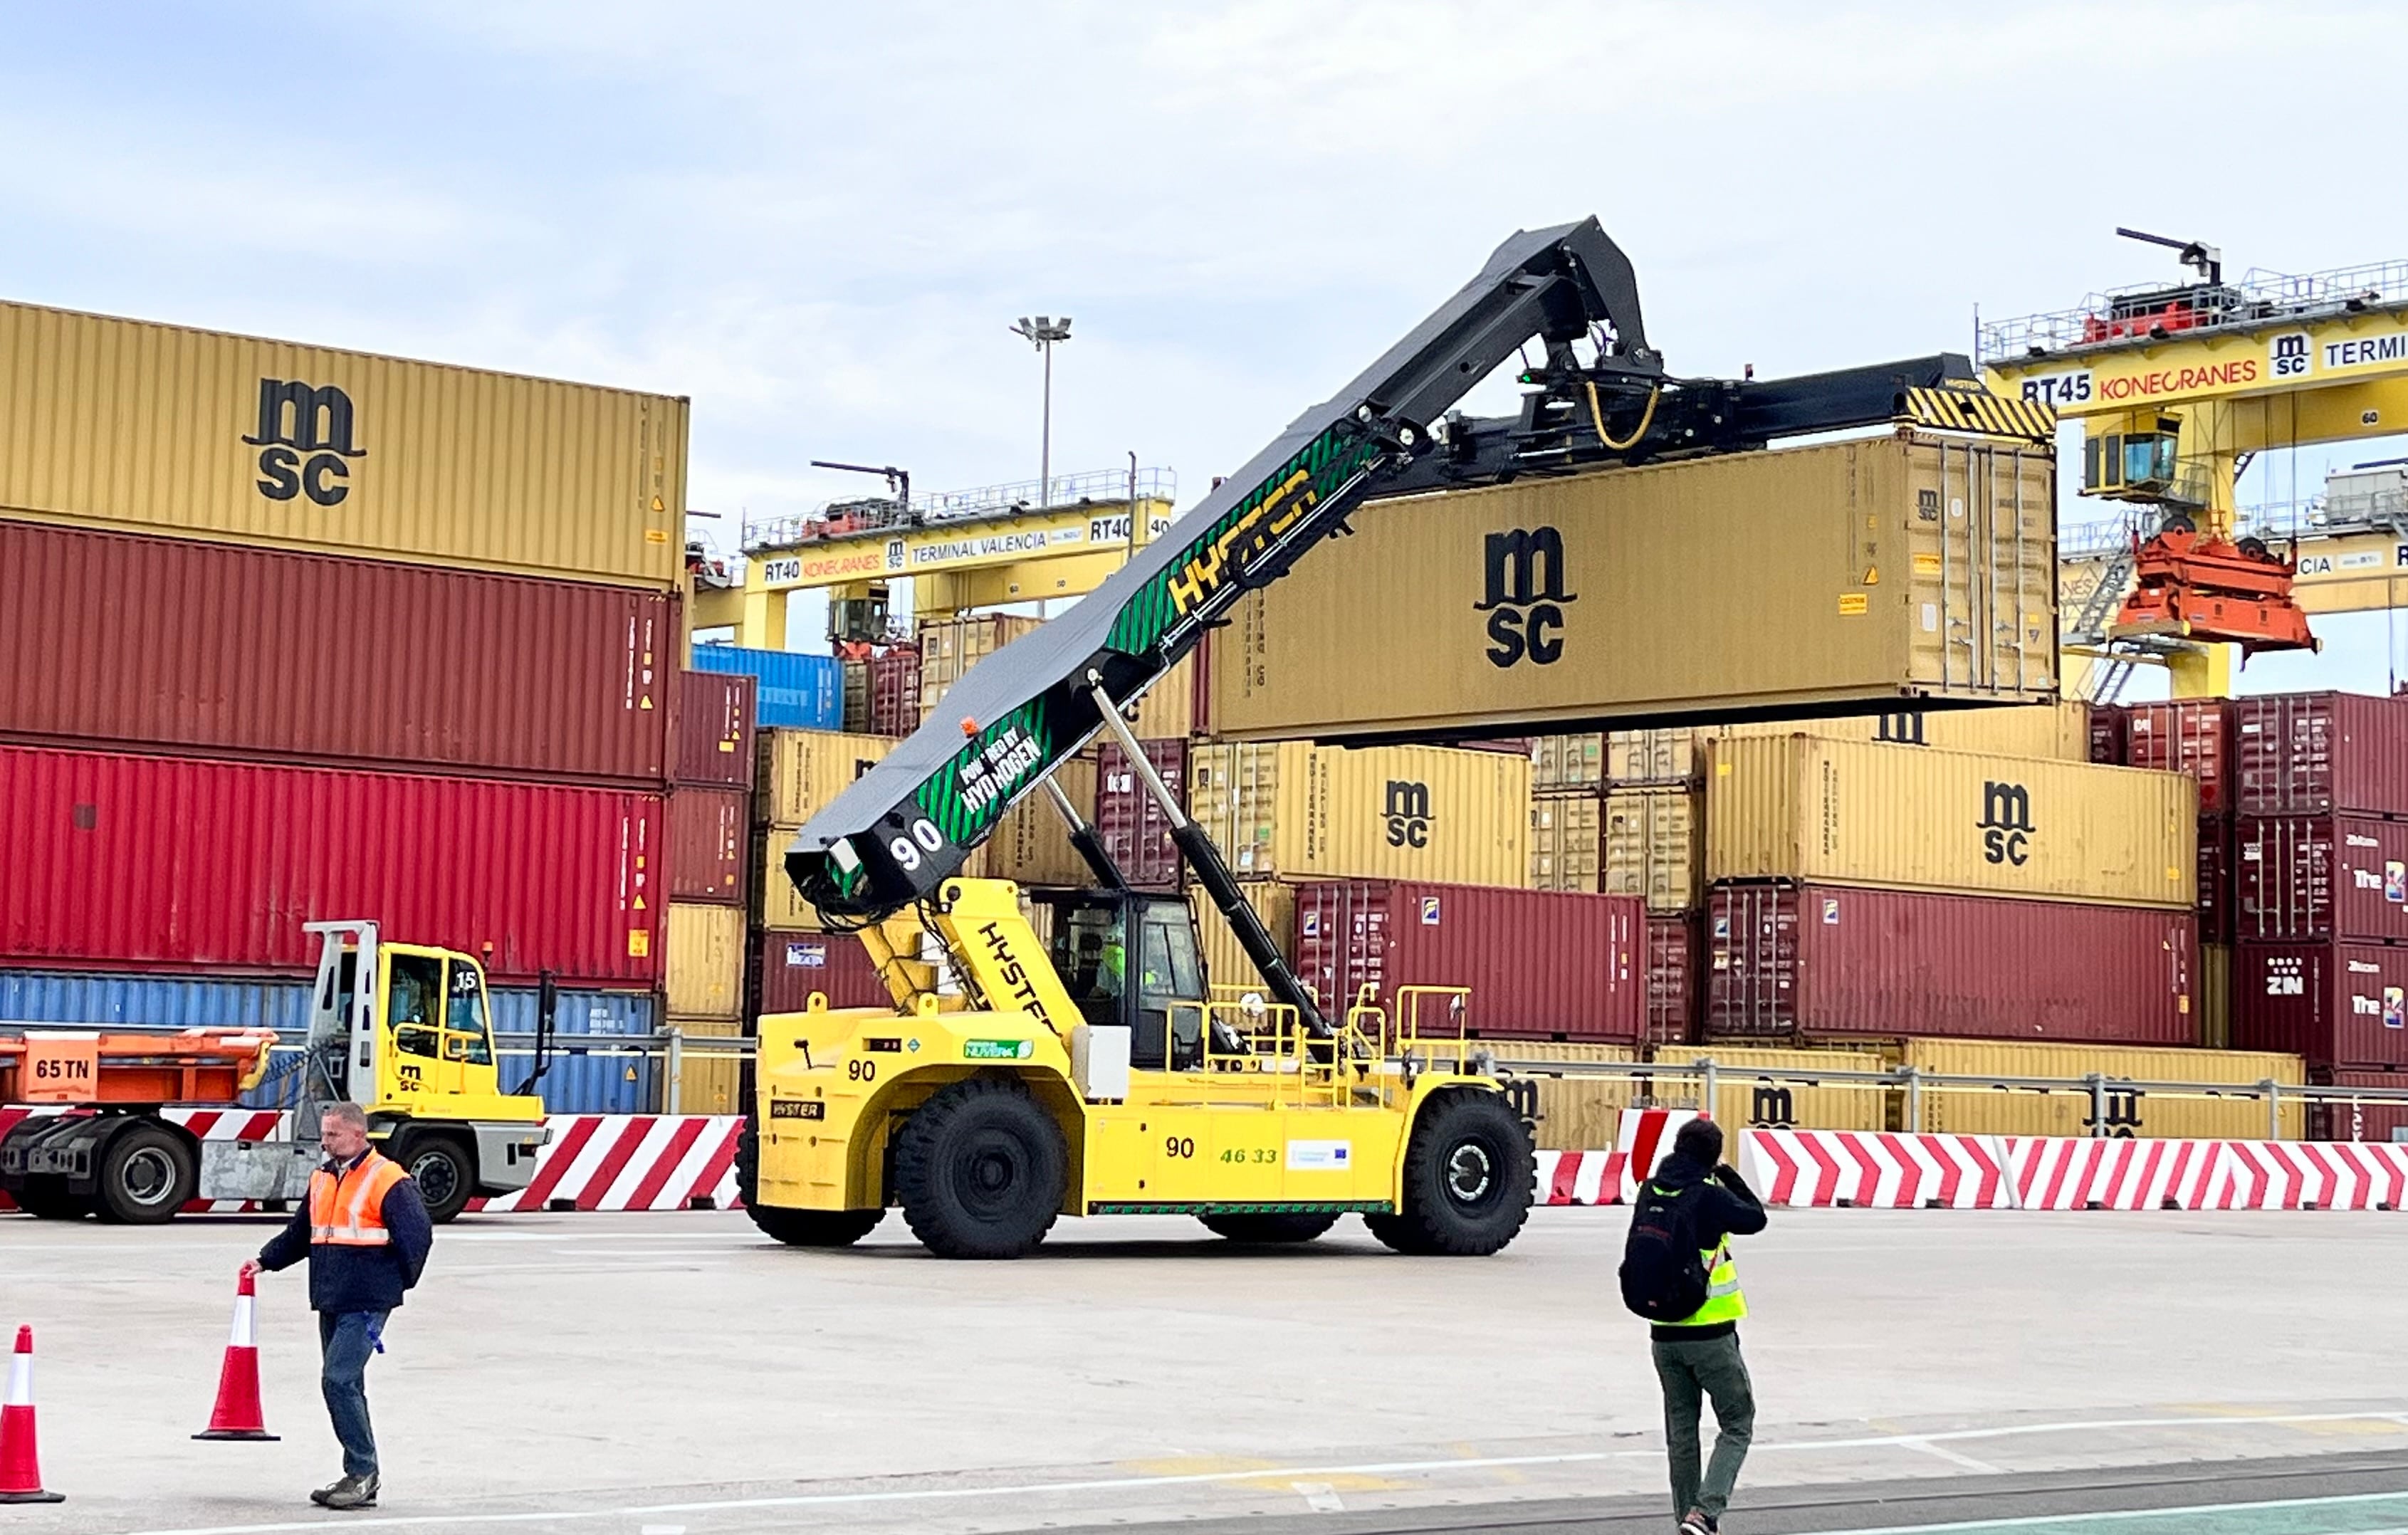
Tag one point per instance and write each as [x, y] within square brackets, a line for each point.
[1524, 597]
[2006, 825]
[297, 420]
[1408, 814]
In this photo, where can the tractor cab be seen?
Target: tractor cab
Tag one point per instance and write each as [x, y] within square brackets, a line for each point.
[1130, 958]
[415, 1038]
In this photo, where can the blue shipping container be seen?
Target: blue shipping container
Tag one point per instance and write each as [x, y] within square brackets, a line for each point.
[578, 1082]
[797, 692]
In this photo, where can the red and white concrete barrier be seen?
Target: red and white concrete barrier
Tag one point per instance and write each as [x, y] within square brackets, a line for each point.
[631, 1162]
[1876, 1170]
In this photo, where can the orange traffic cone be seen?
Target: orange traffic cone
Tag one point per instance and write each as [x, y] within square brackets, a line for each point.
[236, 1416]
[20, 1469]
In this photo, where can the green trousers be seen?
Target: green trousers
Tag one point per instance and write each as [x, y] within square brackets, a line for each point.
[1690, 1372]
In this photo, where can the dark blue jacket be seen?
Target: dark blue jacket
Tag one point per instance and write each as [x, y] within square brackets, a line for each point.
[358, 1278]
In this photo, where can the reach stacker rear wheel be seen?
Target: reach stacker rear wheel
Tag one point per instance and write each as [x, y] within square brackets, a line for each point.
[979, 1169]
[1469, 1173]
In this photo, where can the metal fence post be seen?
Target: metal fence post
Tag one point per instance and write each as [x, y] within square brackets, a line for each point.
[2273, 1109]
[1706, 1104]
[673, 1071]
[1914, 1076]
[2098, 1103]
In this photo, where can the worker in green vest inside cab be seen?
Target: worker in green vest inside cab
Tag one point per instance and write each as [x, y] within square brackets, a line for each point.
[1677, 1271]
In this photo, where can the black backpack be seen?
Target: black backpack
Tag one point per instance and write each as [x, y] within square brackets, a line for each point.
[1663, 1268]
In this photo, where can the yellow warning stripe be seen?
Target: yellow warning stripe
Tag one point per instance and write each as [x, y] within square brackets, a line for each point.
[1979, 410]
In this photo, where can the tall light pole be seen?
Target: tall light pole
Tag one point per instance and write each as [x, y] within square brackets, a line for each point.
[1042, 333]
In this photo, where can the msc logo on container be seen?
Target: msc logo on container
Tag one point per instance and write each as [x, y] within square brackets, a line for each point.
[1408, 814]
[2006, 824]
[303, 436]
[1524, 597]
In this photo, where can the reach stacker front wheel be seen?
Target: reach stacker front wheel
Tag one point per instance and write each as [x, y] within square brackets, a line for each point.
[1469, 1171]
[979, 1169]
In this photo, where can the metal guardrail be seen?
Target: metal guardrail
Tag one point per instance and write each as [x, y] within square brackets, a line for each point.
[2261, 297]
[1018, 498]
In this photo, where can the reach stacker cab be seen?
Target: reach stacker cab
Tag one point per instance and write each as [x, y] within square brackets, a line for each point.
[414, 1048]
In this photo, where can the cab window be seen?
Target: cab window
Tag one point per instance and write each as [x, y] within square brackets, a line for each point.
[1090, 950]
[414, 1008]
[465, 1030]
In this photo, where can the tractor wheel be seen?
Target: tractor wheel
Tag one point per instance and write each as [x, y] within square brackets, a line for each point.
[444, 1169]
[46, 1198]
[979, 1169]
[146, 1175]
[815, 1227]
[1469, 1173]
[1268, 1228]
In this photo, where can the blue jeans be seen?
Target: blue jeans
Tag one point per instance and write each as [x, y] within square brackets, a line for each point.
[345, 1340]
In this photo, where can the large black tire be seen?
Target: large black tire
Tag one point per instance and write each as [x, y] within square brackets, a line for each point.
[1469, 1173]
[146, 1175]
[444, 1169]
[815, 1227]
[1268, 1228]
[979, 1169]
[46, 1198]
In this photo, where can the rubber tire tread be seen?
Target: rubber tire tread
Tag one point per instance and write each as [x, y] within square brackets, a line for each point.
[1253, 1227]
[46, 1198]
[464, 1188]
[1428, 1225]
[941, 1227]
[815, 1227]
[115, 1210]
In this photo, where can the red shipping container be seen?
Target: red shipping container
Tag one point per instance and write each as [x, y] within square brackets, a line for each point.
[895, 691]
[714, 729]
[2378, 1120]
[2218, 893]
[1539, 964]
[1671, 980]
[788, 967]
[177, 645]
[2337, 1004]
[710, 833]
[2323, 876]
[2194, 737]
[2314, 752]
[125, 860]
[1128, 819]
[1836, 962]
[2107, 734]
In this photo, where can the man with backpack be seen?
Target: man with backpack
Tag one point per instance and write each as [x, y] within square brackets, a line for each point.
[1677, 1272]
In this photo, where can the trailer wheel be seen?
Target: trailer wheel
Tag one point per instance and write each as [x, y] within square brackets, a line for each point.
[1469, 1173]
[146, 1175]
[46, 1198]
[815, 1227]
[979, 1169]
[1268, 1228]
[445, 1172]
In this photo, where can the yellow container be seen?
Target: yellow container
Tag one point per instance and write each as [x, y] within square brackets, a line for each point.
[1663, 755]
[1168, 710]
[1566, 764]
[1794, 808]
[2130, 1111]
[708, 1080]
[1783, 1102]
[777, 906]
[1292, 810]
[1653, 847]
[948, 648]
[2215, 996]
[705, 975]
[1852, 574]
[1557, 1053]
[1031, 844]
[801, 771]
[156, 429]
[2058, 731]
[1224, 963]
[1564, 842]
[1575, 1113]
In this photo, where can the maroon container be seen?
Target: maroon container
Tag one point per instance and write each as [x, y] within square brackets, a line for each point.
[895, 691]
[2218, 894]
[1539, 964]
[2323, 876]
[2314, 752]
[2337, 1004]
[2194, 737]
[710, 833]
[124, 860]
[788, 967]
[1131, 823]
[176, 645]
[1672, 980]
[714, 729]
[1836, 962]
[2376, 1120]
[2107, 734]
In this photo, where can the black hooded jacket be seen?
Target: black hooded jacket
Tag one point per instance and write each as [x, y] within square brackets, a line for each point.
[1726, 1207]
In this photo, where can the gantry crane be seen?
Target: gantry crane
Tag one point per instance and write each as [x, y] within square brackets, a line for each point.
[2178, 388]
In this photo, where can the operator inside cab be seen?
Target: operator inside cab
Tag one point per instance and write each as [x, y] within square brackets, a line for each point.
[1093, 937]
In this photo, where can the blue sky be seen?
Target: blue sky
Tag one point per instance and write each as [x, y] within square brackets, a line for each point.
[818, 219]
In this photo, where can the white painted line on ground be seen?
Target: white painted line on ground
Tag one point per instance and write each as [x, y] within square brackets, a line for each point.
[1396, 1468]
[2061, 1520]
[1320, 1497]
[1954, 1457]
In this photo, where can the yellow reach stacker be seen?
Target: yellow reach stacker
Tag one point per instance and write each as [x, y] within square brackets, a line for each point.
[1099, 1071]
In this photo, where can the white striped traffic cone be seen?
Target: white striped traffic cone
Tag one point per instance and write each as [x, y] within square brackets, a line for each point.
[21, 1471]
[237, 1414]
